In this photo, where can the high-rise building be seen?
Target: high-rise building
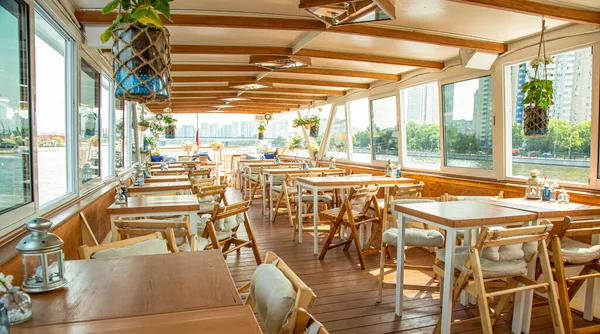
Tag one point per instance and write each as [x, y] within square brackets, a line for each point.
[482, 112]
[420, 104]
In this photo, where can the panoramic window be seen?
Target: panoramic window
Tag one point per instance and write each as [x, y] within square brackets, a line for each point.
[564, 153]
[467, 110]
[15, 174]
[53, 59]
[119, 134]
[337, 141]
[360, 130]
[420, 109]
[89, 145]
[106, 109]
[324, 111]
[385, 129]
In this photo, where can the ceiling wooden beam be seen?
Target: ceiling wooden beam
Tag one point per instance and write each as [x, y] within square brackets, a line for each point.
[205, 95]
[215, 99]
[249, 103]
[259, 95]
[283, 51]
[178, 79]
[189, 89]
[315, 83]
[539, 9]
[300, 70]
[207, 110]
[343, 73]
[270, 23]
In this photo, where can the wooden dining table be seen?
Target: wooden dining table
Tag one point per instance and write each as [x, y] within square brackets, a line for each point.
[170, 171]
[184, 187]
[155, 206]
[451, 217]
[251, 167]
[317, 184]
[143, 294]
[165, 178]
[555, 212]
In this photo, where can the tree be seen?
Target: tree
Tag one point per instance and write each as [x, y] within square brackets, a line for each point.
[361, 138]
[517, 136]
[278, 142]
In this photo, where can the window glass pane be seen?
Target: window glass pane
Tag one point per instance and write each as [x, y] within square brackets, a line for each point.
[89, 145]
[420, 109]
[565, 152]
[119, 134]
[136, 142]
[467, 107]
[337, 143]
[360, 130]
[106, 108]
[324, 116]
[52, 82]
[15, 174]
[385, 129]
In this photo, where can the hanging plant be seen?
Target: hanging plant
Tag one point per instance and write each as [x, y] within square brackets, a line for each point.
[90, 123]
[143, 124]
[170, 126]
[141, 49]
[261, 131]
[310, 123]
[538, 91]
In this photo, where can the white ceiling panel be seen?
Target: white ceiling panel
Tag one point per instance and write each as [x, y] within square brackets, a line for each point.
[360, 66]
[228, 36]
[210, 59]
[318, 77]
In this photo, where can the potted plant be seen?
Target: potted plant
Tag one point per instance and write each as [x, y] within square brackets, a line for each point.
[294, 142]
[261, 131]
[170, 126]
[141, 49]
[216, 145]
[312, 148]
[314, 122]
[143, 124]
[155, 155]
[187, 147]
[90, 123]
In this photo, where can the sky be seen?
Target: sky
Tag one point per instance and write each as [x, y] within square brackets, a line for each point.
[464, 99]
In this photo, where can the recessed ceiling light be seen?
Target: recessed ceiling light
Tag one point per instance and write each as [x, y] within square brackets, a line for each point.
[249, 85]
[280, 62]
[217, 110]
[337, 12]
[223, 106]
[230, 99]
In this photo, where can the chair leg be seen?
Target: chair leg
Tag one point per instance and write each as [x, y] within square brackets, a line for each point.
[276, 206]
[564, 313]
[482, 303]
[503, 301]
[354, 236]
[329, 240]
[254, 246]
[381, 271]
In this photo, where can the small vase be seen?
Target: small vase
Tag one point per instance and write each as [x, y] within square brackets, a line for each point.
[18, 305]
[142, 128]
[307, 126]
[535, 121]
[261, 135]
[314, 131]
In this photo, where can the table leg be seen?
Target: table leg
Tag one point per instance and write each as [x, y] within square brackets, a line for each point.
[464, 297]
[588, 311]
[264, 193]
[270, 197]
[446, 296]
[113, 229]
[400, 264]
[194, 221]
[299, 213]
[315, 221]
[524, 300]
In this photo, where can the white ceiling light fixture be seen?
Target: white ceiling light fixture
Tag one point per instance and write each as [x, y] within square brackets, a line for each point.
[232, 99]
[335, 12]
[167, 110]
[223, 106]
[280, 62]
[249, 85]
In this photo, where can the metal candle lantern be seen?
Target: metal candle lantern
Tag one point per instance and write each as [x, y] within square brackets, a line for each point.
[534, 186]
[43, 258]
[390, 169]
[139, 176]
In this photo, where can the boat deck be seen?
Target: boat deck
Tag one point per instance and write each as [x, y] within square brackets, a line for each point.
[347, 296]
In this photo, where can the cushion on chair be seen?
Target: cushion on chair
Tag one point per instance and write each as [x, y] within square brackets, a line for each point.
[206, 207]
[415, 237]
[489, 269]
[253, 177]
[321, 198]
[208, 198]
[147, 247]
[223, 227]
[575, 252]
[273, 295]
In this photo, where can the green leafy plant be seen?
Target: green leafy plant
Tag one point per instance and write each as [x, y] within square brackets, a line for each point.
[216, 145]
[294, 142]
[262, 127]
[143, 122]
[136, 11]
[538, 91]
[169, 120]
[307, 120]
[155, 151]
[312, 146]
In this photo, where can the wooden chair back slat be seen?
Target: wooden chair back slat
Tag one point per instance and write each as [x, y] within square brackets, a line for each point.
[409, 190]
[86, 252]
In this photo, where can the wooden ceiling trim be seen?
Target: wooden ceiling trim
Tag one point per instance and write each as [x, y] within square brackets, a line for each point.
[539, 9]
[315, 83]
[284, 51]
[191, 89]
[204, 95]
[270, 23]
[344, 73]
[198, 79]
[299, 70]
[216, 101]
[259, 95]
[243, 105]
[193, 110]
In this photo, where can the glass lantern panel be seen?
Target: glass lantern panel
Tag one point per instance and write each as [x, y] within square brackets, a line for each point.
[33, 269]
[54, 266]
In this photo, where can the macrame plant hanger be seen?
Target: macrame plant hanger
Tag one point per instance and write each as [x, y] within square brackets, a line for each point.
[535, 118]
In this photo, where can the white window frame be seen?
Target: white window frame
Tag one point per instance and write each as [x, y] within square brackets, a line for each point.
[594, 180]
[379, 97]
[111, 126]
[461, 171]
[333, 112]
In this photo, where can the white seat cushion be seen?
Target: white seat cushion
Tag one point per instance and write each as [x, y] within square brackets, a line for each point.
[185, 246]
[415, 237]
[575, 252]
[308, 198]
[147, 247]
[253, 177]
[273, 295]
[223, 227]
[489, 269]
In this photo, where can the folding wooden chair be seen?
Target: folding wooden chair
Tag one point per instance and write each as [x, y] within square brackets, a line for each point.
[87, 235]
[176, 231]
[210, 196]
[222, 226]
[414, 237]
[199, 174]
[361, 198]
[251, 180]
[304, 298]
[87, 252]
[202, 183]
[304, 322]
[497, 257]
[568, 253]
